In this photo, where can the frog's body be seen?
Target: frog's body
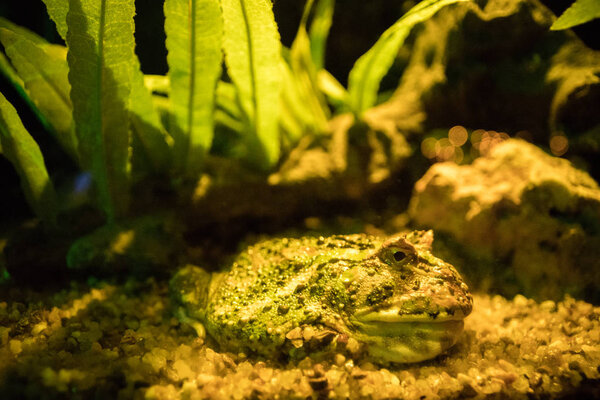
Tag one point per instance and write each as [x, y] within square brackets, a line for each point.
[294, 295]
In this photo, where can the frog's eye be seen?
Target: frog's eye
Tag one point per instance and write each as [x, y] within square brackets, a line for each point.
[395, 256]
[399, 255]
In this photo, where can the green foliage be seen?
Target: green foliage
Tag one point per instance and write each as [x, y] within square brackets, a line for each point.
[307, 102]
[228, 112]
[43, 71]
[121, 125]
[23, 32]
[319, 30]
[194, 31]
[336, 94]
[304, 107]
[296, 118]
[580, 12]
[371, 67]
[57, 10]
[9, 72]
[17, 145]
[15, 80]
[146, 124]
[252, 54]
[101, 59]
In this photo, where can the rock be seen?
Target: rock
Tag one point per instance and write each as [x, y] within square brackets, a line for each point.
[496, 64]
[535, 219]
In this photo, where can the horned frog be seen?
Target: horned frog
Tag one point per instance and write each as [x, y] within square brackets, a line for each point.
[390, 297]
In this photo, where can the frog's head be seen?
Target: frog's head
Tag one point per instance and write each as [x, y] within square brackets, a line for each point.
[407, 305]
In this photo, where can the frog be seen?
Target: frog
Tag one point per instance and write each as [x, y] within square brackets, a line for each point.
[388, 299]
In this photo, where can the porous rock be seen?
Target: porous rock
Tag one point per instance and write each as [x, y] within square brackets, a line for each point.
[525, 212]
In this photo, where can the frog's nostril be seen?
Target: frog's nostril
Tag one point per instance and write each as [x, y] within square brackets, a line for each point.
[399, 256]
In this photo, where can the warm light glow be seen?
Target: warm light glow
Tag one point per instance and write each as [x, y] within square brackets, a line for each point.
[459, 155]
[525, 135]
[428, 147]
[559, 144]
[476, 136]
[473, 152]
[451, 148]
[503, 136]
[123, 241]
[484, 141]
[444, 149]
[485, 144]
[458, 135]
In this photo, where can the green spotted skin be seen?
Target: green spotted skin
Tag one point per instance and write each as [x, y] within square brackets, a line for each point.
[292, 296]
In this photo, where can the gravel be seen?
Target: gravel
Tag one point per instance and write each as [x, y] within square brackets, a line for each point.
[120, 341]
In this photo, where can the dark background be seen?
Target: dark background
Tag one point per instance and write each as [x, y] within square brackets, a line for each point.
[357, 25]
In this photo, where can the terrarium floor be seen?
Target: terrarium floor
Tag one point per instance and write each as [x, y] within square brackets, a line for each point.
[120, 341]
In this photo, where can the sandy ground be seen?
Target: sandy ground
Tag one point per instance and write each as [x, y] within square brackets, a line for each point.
[120, 341]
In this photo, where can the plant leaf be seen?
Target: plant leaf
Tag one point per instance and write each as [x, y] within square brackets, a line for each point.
[57, 10]
[304, 73]
[333, 89]
[44, 72]
[22, 151]
[157, 84]
[319, 31]
[580, 12]
[194, 31]
[371, 67]
[146, 122]
[253, 56]
[296, 116]
[227, 100]
[144, 117]
[9, 72]
[24, 32]
[101, 59]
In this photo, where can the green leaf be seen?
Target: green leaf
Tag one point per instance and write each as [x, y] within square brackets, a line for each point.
[228, 112]
[301, 83]
[57, 10]
[159, 87]
[371, 67]
[9, 72]
[333, 89]
[319, 31]
[144, 117]
[194, 31]
[19, 30]
[22, 151]
[147, 126]
[296, 117]
[580, 12]
[227, 101]
[101, 60]
[157, 84]
[253, 56]
[43, 70]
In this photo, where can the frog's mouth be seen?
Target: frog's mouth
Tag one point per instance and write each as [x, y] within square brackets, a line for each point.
[409, 337]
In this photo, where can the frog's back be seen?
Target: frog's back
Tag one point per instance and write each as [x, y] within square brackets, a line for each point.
[275, 286]
[294, 297]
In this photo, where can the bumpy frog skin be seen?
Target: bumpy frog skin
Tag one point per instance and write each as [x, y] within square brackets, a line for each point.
[297, 296]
